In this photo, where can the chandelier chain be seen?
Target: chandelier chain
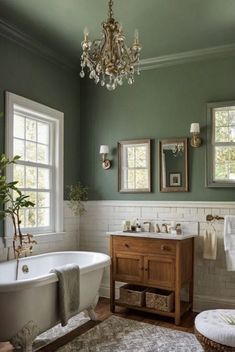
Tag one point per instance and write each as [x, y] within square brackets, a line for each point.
[110, 8]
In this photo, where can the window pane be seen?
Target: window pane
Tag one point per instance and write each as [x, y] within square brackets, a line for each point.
[30, 215]
[43, 178]
[43, 132]
[43, 199]
[31, 177]
[19, 126]
[30, 129]
[221, 117]
[221, 155]
[131, 179]
[141, 179]
[32, 197]
[42, 154]
[232, 134]
[19, 175]
[232, 116]
[43, 217]
[130, 154]
[19, 148]
[22, 217]
[141, 156]
[232, 172]
[222, 134]
[30, 151]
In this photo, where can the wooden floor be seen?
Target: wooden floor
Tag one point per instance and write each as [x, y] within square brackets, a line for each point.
[103, 312]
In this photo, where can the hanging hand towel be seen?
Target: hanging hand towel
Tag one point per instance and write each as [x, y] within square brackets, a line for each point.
[229, 229]
[229, 233]
[210, 245]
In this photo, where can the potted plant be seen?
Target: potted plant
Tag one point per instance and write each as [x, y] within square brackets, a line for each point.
[12, 201]
[77, 194]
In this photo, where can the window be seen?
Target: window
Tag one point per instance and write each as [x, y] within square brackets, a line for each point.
[134, 166]
[35, 133]
[221, 146]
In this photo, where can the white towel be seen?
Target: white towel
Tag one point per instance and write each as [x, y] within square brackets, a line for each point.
[68, 290]
[210, 245]
[229, 229]
[230, 260]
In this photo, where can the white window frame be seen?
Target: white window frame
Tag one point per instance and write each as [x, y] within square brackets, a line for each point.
[211, 181]
[48, 114]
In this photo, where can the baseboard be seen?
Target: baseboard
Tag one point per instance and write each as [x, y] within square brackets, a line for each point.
[207, 302]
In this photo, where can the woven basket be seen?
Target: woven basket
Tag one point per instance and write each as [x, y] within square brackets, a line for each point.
[212, 346]
[133, 295]
[160, 299]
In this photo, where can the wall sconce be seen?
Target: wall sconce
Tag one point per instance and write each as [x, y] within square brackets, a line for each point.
[196, 140]
[106, 163]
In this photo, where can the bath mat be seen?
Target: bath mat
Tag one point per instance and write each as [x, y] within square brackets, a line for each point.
[59, 331]
[117, 334]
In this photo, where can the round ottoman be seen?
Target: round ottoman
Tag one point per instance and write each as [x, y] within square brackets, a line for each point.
[213, 330]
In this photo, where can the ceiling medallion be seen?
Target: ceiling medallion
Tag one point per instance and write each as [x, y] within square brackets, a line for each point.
[109, 60]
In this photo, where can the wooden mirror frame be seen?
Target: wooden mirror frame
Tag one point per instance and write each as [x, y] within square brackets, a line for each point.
[173, 189]
[137, 141]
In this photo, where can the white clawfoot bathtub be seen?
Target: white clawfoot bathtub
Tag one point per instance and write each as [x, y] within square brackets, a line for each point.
[33, 297]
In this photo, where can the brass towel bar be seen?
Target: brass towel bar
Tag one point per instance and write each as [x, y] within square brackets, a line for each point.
[214, 217]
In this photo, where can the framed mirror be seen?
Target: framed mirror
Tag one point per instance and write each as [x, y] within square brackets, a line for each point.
[134, 174]
[173, 165]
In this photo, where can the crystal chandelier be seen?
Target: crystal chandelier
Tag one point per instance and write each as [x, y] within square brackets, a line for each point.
[109, 60]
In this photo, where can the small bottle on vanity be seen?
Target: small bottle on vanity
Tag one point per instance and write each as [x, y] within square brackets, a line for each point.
[138, 226]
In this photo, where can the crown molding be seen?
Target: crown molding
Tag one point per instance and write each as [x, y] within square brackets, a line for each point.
[188, 56]
[12, 33]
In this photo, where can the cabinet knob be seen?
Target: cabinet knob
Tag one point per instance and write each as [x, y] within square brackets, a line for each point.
[126, 245]
[146, 269]
[163, 247]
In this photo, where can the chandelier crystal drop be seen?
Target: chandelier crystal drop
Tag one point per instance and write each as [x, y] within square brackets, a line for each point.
[109, 61]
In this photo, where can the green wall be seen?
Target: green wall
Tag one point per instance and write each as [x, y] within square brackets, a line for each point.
[25, 73]
[161, 104]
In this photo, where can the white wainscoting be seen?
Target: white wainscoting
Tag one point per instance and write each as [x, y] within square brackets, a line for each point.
[214, 285]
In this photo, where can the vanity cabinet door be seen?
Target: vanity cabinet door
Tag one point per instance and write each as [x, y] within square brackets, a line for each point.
[128, 267]
[159, 271]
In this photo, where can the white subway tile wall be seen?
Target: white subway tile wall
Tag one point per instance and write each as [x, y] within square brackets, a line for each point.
[214, 286]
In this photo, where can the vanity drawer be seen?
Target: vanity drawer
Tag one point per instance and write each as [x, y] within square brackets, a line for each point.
[144, 245]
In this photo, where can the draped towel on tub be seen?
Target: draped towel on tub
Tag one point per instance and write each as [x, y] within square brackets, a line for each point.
[229, 237]
[68, 290]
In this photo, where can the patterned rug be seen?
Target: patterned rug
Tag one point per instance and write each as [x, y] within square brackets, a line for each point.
[58, 331]
[117, 334]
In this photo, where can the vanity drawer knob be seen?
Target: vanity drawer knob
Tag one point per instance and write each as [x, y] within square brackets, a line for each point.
[126, 245]
[164, 247]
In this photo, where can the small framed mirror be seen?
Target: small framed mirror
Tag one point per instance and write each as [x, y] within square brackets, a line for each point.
[134, 174]
[173, 165]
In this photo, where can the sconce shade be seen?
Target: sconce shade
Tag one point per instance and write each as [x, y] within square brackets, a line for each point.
[195, 127]
[104, 149]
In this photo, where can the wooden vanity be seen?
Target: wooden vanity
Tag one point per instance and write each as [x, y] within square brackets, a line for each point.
[161, 261]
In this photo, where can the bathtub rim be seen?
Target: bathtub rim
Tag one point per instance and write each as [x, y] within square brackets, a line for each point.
[49, 278]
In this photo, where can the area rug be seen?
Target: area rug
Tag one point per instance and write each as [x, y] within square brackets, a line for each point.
[59, 331]
[117, 334]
